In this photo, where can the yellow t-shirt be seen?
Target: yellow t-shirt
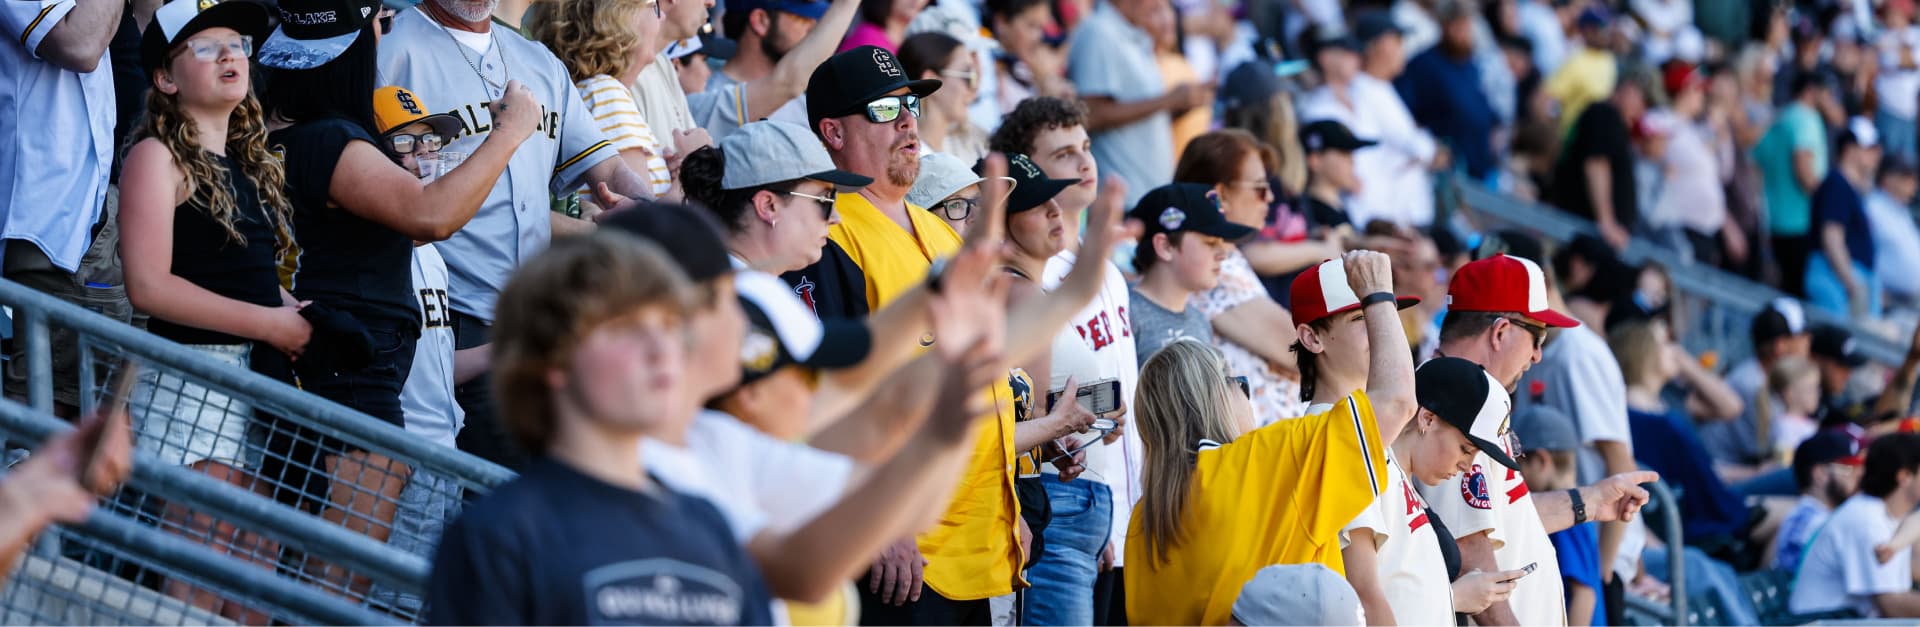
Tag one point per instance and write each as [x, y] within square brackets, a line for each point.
[1277, 495]
[1586, 77]
[974, 551]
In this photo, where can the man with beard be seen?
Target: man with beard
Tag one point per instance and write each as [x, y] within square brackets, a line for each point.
[450, 48]
[780, 42]
[1827, 469]
[657, 88]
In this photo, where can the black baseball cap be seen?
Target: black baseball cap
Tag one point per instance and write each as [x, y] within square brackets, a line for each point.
[1839, 445]
[1462, 394]
[1370, 25]
[1031, 185]
[314, 32]
[179, 20]
[690, 236]
[1781, 318]
[1179, 207]
[1336, 38]
[1835, 343]
[1330, 135]
[782, 331]
[846, 82]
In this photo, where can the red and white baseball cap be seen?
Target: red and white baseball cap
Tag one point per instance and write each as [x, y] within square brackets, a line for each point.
[1504, 284]
[1322, 291]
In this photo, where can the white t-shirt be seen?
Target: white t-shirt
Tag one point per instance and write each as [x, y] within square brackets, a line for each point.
[1896, 86]
[1896, 243]
[1839, 570]
[757, 481]
[1412, 571]
[1493, 499]
[427, 398]
[1106, 332]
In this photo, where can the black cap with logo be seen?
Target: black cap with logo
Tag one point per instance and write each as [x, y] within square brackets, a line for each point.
[314, 32]
[179, 20]
[1835, 343]
[1330, 135]
[1031, 186]
[846, 82]
[1462, 394]
[1182, 207]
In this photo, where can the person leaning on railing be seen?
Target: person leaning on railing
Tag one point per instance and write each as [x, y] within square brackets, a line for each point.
[60, 482]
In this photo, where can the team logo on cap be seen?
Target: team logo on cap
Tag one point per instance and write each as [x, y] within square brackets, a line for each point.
[757, 351]
[1314, 141]
[884, 61]
[207, 4]
[1026, 166]
[407, 102]
[1171, 219]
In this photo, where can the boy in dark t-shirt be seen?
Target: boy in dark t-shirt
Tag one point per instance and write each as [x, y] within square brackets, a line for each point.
[589, 347]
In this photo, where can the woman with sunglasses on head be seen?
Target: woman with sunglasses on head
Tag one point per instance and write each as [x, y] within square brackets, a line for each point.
[202, 215]
[1223, 499]
[358, 214]
[944, 124]
[605, 44]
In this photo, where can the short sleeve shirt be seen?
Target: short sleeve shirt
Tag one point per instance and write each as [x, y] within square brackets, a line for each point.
[1580, 377]
[1490, 498]
[892, 259]
[431, 411]
[1412, 569]
[1796, 532]
[722, 108]
[1277, 495]
[1840, 571]
[1835, 201]
[513, 223]
[56, 137]
[1788, 207]
[346, 261]
[1578, 548]
[612, 106]
[1154, 326]
[1122, 67]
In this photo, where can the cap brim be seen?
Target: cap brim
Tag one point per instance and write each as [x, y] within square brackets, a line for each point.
[1227, 230]
[1493, 452]
[287, 53]
[842, 180]
[718, 48]
[843, 344]
[809, 10]
[1553, 318]
[444, 124]
[1045, 191]
[243, 16]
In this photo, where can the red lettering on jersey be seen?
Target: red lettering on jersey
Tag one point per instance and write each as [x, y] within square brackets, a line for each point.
[1413, 505]
[1097, 332]
[1126, 326]
[1519, 488]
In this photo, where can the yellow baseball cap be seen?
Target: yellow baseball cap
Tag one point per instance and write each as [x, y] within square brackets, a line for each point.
[395, 107]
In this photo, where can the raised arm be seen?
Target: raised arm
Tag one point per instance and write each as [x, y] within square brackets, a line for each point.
[1389, 363]
[789, 77]
[368, 184]
[78, 42]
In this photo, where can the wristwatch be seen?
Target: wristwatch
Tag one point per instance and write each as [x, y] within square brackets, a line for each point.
[1579, 506]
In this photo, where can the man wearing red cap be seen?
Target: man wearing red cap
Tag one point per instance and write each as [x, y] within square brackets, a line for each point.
[1498, 316]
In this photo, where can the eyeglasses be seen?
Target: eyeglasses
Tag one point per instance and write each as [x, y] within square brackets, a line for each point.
[1262, 187]
[657, 11]
[1246, 389]
[209, 49]
[971, 79]
[404, 144]
[826, 203]
[1539, 333]
[888, 109]
[957, 208]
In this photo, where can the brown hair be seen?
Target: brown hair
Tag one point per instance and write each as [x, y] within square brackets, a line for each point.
[554, 301]
[246, 143]
[1636, 345]
[1033, 115]
[1215, 158]
[592, 37]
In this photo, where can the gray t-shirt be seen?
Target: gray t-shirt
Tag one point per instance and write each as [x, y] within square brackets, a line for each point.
[722, 108]
[1155, 326]
[1111, 57]
[1579, 376]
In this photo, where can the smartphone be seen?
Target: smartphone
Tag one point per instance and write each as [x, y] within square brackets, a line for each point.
[1099, 397]
[1526, 570]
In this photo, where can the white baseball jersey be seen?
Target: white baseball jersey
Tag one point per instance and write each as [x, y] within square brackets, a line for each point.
[1104, 329]
[1495, 500]
[513, 224]
[1412, 571]
[427, 398]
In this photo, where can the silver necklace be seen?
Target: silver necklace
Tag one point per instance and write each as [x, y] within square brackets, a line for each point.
[498, 89]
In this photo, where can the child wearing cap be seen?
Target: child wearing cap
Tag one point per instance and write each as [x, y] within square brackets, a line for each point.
[201, 219]
[1550, 464]
[948, 187]
[596, 39]
[1179, 255]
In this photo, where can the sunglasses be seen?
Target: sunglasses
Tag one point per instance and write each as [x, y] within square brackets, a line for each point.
[957, 208]
[209, 49]
[826, 203]
[888, 109]
[970, 79]
[1539, 333]
[403, 144]
[1246, 389]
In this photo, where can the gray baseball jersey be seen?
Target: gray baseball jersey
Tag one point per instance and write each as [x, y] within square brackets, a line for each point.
[513, 225]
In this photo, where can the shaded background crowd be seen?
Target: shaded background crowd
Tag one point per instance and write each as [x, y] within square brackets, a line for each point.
[314, 219]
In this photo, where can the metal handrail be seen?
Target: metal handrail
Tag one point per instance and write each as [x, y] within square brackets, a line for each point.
[295, 528]
[1676, 549]
[1707, 282]
[38, 309]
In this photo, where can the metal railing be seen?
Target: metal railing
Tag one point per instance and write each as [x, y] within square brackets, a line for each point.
[113, 569]
[1723, 303]
[256, 469]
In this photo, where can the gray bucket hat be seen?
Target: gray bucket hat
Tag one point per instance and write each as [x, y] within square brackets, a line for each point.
[771, 151]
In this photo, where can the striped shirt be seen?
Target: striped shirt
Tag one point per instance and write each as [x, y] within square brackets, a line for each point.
[613, 108]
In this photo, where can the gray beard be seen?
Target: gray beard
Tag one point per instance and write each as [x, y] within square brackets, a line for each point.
[469, 10]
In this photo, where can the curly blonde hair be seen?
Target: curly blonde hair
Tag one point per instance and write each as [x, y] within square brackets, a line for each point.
[592, 37]
[246, 145]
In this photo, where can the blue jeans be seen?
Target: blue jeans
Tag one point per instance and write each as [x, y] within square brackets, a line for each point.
[1825, 290]
[1896, 134]
[1706, 575]
[1062, 592]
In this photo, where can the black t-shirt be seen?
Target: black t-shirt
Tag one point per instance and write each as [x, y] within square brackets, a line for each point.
[558, 547]
[1600, 132]
[346, 262]
[129, 85]
[834, 286]
[206, 255]
[1325, 216]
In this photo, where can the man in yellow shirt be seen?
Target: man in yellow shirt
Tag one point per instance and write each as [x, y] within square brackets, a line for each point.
[1588, 74]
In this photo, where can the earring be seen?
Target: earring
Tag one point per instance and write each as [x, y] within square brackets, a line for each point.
[773, 223]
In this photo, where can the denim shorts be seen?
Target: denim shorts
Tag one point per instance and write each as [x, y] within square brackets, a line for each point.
[186, 423]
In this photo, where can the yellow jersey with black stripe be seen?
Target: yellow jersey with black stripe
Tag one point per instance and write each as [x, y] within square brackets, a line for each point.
[1277, 495]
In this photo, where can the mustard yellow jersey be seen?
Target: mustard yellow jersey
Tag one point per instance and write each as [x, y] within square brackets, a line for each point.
[1277, 495]
[893, 259]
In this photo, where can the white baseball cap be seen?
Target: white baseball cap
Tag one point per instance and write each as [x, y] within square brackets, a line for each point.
[1298, 594]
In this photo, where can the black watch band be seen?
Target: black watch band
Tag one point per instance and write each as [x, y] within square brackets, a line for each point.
[1579, 506]
[1377, 298]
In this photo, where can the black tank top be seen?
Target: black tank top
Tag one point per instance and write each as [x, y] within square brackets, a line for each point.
[205, 255]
